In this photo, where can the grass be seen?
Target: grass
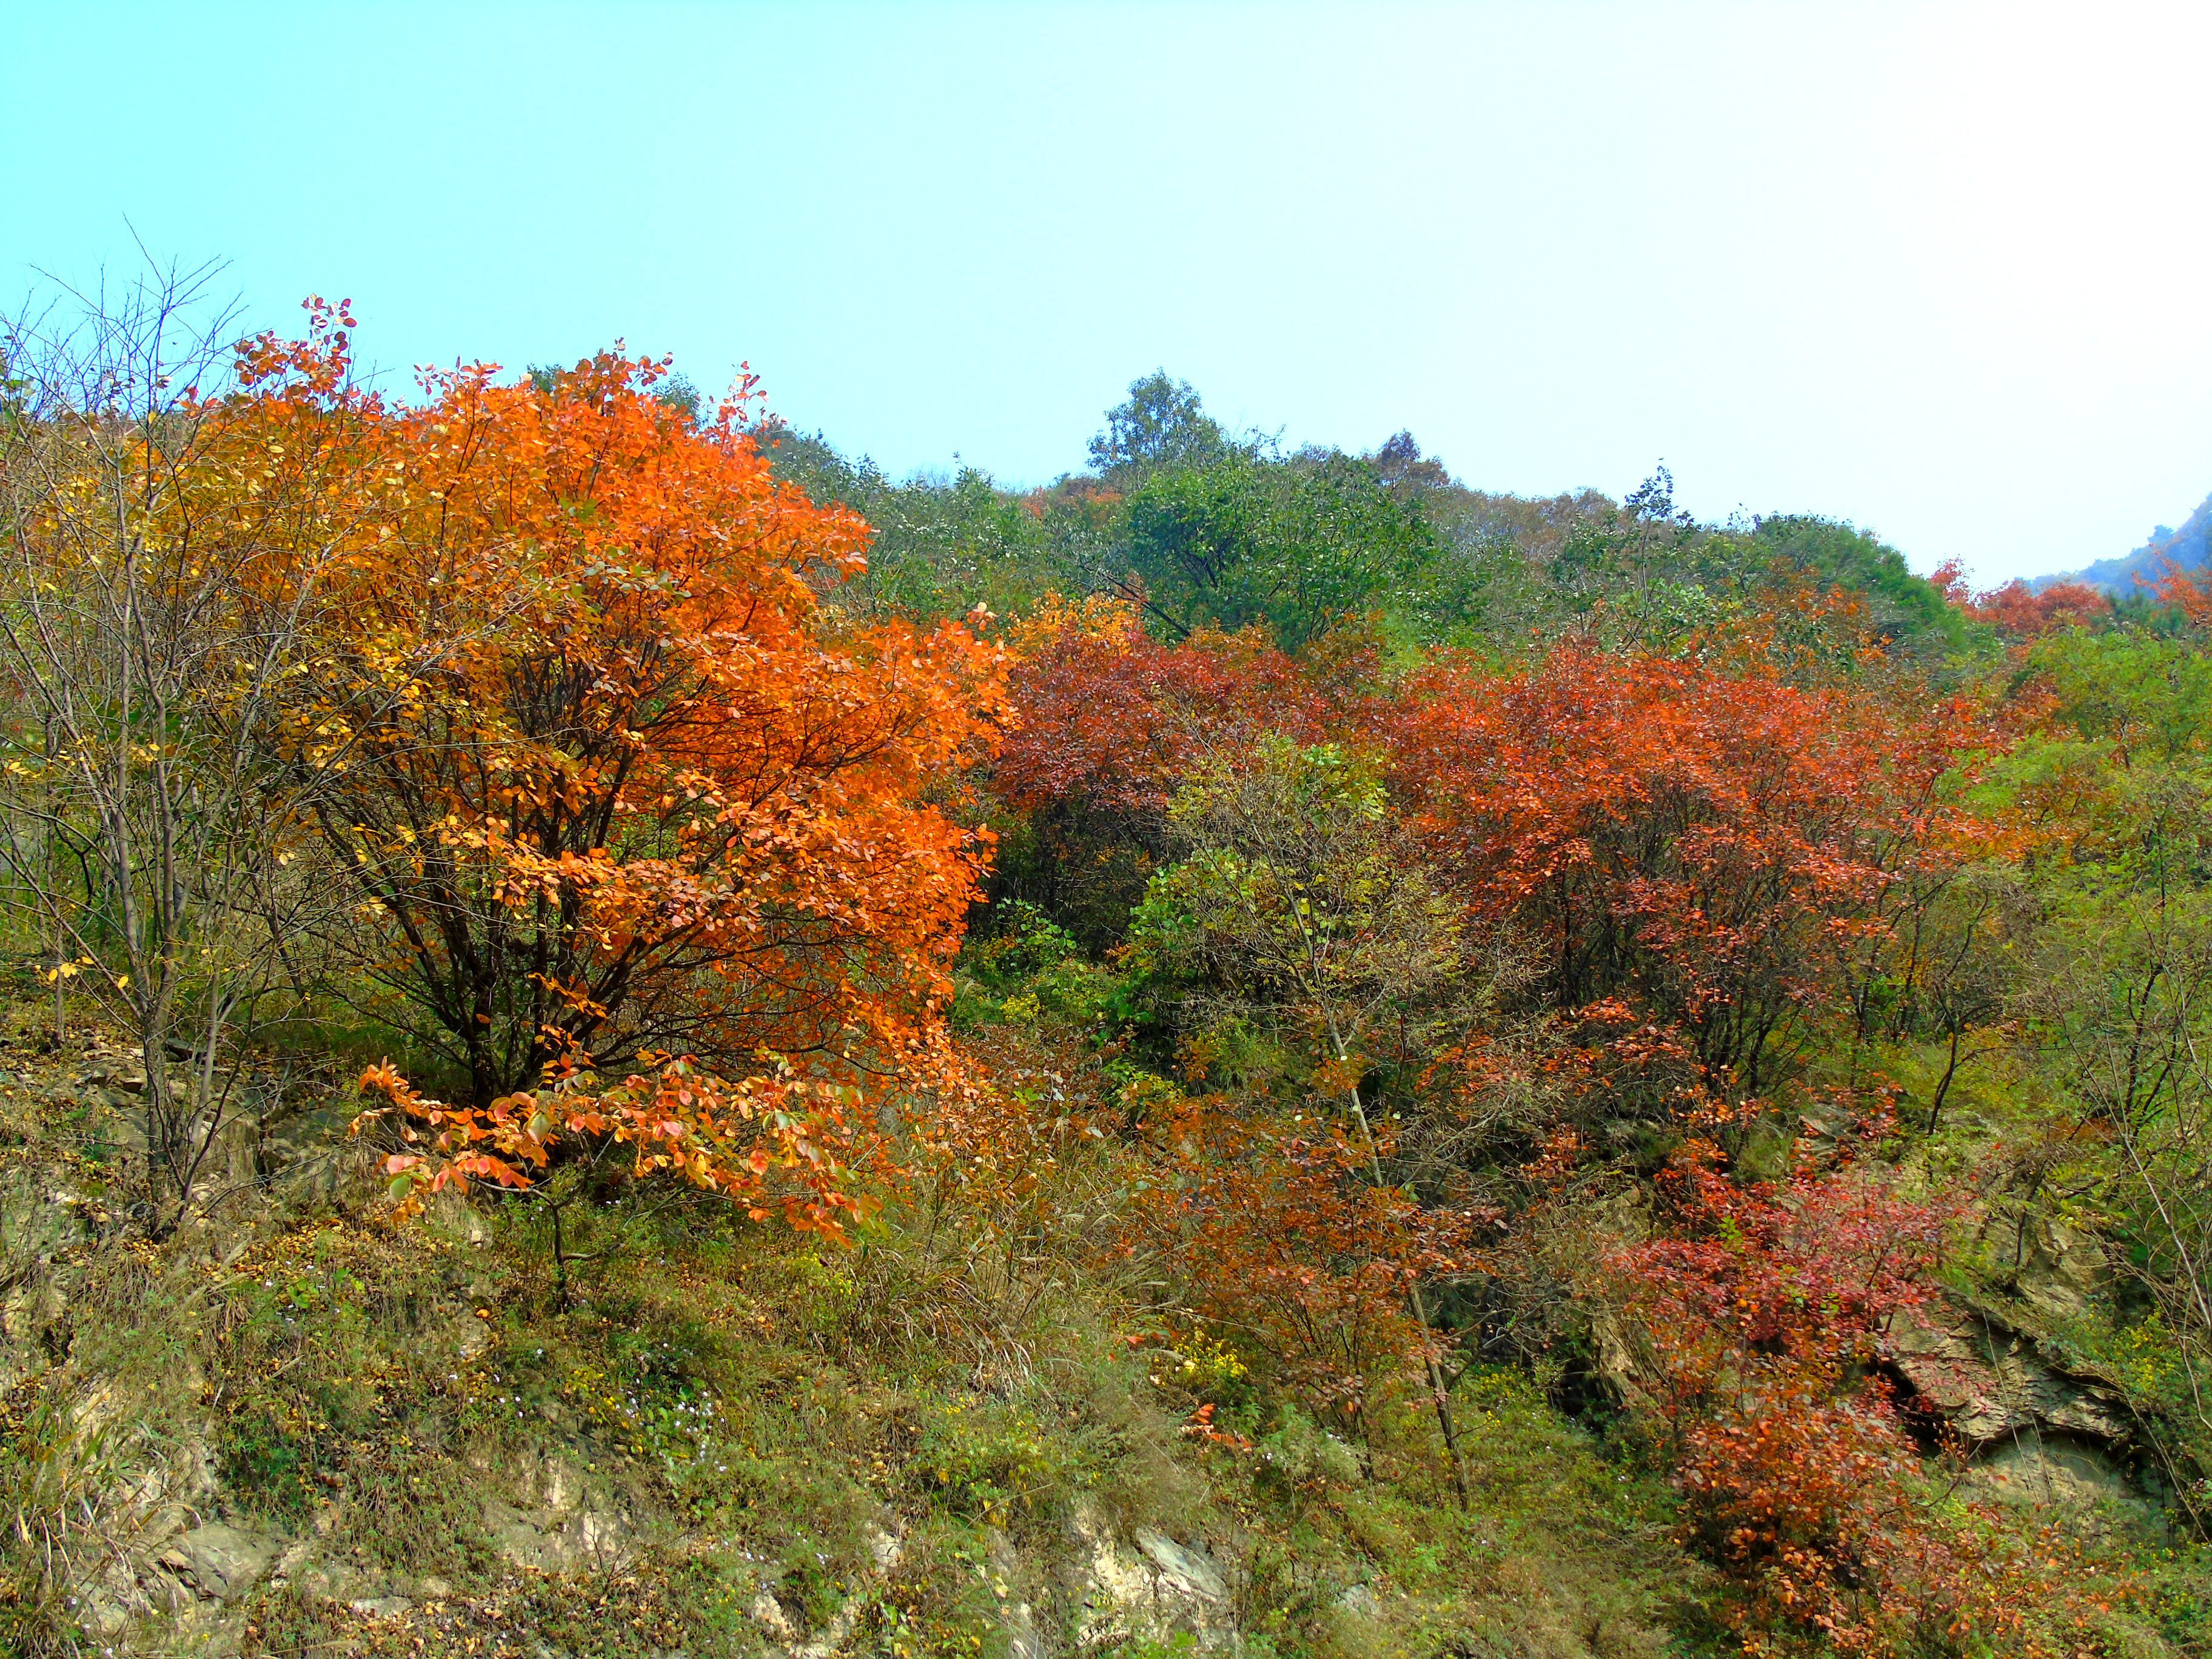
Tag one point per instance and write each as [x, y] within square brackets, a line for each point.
[744, 1414]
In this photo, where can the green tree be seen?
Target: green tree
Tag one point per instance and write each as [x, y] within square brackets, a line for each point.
[1298, 545]
[1160, 423]
[942, 546]
[1906, 609]
[1300, 913]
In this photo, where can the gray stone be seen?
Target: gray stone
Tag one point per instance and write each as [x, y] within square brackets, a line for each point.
[1157, 1591]
[1988, 1379]
[1185, 1570]
[572, 1526]
[221, 1562]
[1359, 1599]
[2057, 1270]
[2044, 1470]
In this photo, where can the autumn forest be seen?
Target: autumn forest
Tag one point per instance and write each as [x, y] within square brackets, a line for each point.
[626, 1034]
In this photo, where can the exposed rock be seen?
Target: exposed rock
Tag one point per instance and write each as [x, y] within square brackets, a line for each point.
[769, 1613]
[1989, 1379]
[2044, 1428]
[1182, 1570]
[1620, 1368]
[1024, 1641]
[2056, 1270]
[569, 1525]
[1018, 1620]
[2047, 1469]
[221, 1562]
[1159, 1590]
[884, 1548]
[1360, 1600]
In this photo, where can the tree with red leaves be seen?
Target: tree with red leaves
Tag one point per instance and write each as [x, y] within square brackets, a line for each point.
[1711, 847]
[1108, 723]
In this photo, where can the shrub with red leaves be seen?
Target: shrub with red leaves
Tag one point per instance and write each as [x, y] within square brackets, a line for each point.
[1760, 1319]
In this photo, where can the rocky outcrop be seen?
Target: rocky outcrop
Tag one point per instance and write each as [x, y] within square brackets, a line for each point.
[221, 1562]
[1991, 1381]
[2038, 1431]
[1147, 1589]
[2042, 1426]
[560, 1520]
[1109, 1591]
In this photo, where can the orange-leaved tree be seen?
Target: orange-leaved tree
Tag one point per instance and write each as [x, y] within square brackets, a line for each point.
[2022, 611]
[615, 788]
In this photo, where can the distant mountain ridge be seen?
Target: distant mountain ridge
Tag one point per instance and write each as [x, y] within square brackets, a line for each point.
[2186, 547]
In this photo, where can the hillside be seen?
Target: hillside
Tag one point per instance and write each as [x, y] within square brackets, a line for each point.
[299, 1428]
[620, 1034]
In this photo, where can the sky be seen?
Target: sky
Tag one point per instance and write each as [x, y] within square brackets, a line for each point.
[1939, 269]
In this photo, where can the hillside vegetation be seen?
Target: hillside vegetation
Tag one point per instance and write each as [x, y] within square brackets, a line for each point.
[626, 1037]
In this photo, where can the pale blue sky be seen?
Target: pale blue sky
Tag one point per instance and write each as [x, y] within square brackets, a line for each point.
[1941, 269]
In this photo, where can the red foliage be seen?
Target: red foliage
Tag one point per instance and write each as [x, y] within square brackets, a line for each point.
[1761, 1316]
[1950, 580]
[1112, 719]
[1704, 843]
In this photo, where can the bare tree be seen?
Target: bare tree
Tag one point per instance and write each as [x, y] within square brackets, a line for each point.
[160, 584]
[2121, 999]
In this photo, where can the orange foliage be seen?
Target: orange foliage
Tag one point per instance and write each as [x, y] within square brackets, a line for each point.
[2021, 610]
[612, 782]
[768, 1143]
[2190, 592]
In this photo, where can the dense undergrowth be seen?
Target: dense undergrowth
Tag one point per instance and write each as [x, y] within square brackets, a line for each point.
[629, 1037]
[752, 1411]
